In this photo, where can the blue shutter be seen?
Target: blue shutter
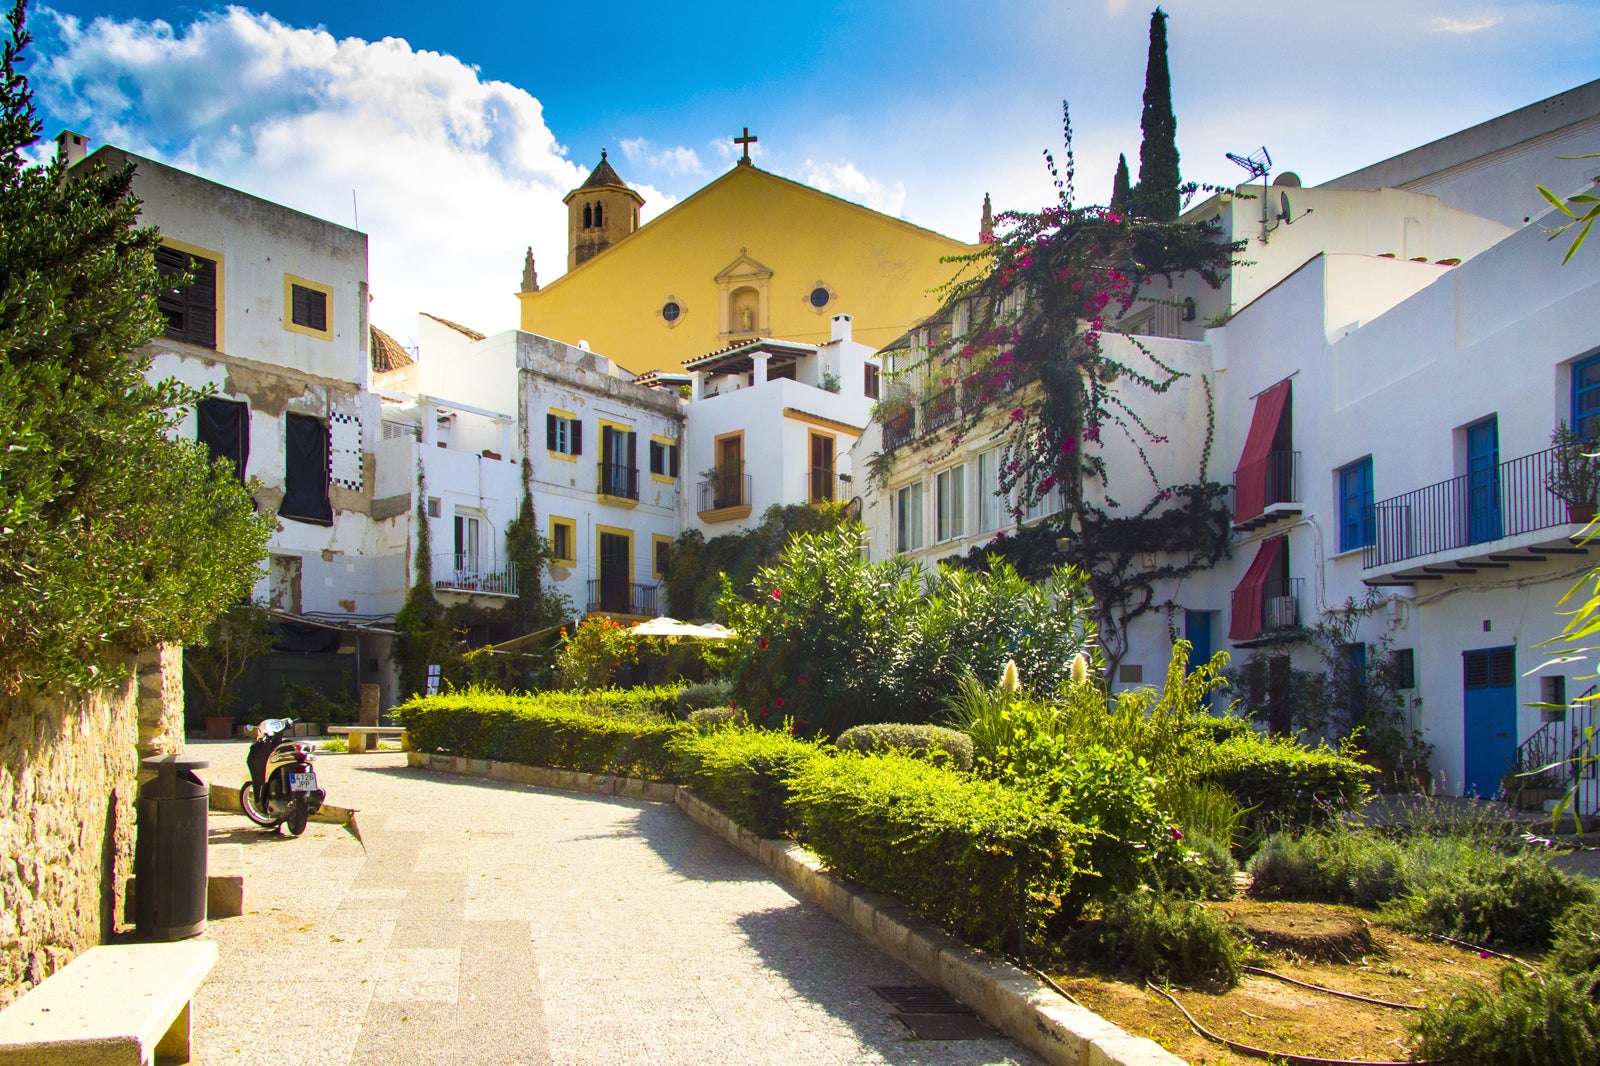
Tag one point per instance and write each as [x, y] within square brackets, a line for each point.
[1355, 505]
[1586, 398]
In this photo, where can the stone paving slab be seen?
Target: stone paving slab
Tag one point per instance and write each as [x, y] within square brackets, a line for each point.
[494, 923]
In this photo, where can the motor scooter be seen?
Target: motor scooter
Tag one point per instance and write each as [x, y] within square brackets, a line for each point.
[282, 789]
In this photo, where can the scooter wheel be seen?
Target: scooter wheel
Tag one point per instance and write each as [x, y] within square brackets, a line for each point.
[247, 804]
[297, 816]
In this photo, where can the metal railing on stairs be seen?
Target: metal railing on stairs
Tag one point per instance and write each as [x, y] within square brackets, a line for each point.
[1571, 748]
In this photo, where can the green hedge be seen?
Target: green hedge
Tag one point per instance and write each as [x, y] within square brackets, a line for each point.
[549, 729]
[950, 846]
[935, 743]
[1289, 786]
[744, 772]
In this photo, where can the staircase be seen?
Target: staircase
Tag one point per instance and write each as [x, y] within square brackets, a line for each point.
[1572, 742]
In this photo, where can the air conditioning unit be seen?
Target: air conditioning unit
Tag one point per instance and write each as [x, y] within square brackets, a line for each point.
[1282, 612]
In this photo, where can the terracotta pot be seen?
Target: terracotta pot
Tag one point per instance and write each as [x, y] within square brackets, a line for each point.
[219, 728]
[1580, 513]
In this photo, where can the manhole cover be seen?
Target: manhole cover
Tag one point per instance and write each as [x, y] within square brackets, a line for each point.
[920, 999]
[944, 1026]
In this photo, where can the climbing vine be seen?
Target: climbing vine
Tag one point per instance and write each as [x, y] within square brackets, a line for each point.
[1039, 301]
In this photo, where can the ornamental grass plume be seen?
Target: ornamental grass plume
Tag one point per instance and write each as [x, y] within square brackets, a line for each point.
[1010, 679]
[1080, 669]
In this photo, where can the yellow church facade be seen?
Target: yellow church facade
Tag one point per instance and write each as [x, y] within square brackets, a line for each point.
[749, 255]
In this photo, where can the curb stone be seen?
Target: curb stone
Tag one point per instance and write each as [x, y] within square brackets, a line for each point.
[228, 800]
[1006, 997]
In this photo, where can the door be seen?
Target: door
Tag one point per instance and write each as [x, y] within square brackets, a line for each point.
[1489, 718]
[616, 581]
[618, 474]
[729, 488]
[821, 489]
[1483, 481]
[466, 545]
[1197, 631]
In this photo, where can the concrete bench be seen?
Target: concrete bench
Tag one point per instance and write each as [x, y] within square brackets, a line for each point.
[361, 735]
[117, 1005]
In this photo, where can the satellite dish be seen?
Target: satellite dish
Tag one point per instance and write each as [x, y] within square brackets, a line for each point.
[852, 510]
[1288, 179]
[1283, 202]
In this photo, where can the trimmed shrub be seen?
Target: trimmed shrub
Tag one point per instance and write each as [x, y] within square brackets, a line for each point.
[1337, 865]
[743, 772]
[937, 744]
[1164, 937]
[715, 717]
[974, 855]
[1287, 784]
[704, 696]
[1203, 868]
[1513, 900]
[545, 731]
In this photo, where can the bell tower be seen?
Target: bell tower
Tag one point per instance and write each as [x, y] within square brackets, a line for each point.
[600, 212]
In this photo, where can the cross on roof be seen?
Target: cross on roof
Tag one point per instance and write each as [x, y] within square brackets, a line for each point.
[747, 140]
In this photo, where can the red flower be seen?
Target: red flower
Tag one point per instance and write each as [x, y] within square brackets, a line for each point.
[1177, 834]
[777, 594]
[778, 702]
[802, 677]
[763, 643]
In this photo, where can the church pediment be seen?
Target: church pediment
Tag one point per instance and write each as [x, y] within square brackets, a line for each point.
[744, 269]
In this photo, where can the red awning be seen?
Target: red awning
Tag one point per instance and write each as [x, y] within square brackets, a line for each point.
[1246, 623]
[1250, 479]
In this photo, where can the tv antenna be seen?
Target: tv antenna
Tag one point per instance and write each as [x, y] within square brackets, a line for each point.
[1258, 164]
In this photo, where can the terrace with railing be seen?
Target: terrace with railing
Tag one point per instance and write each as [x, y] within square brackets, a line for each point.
[621, 597]
[470, 574]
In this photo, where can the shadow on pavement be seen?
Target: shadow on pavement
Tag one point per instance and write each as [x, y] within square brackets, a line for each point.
[690, 850]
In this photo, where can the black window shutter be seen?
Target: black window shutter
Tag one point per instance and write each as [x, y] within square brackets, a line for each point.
[550, 432]
[305, 481]
[577, 437]
[201, 300]
[224, 428]
[633, 450]
[672, 458]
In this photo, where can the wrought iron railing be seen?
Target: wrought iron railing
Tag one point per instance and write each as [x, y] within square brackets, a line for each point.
[1280, 604]
[619, 480]
[1569, 749]
[729, 486]
[621, 597]
[821, 485]
[469, 573]
[899, 429]
[1475, 508]
[940, 409]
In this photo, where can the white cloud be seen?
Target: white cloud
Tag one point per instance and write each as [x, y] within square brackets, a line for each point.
[1116, 7]
[843, 179]
[455, 175]
[1446, 24]
[672, 161]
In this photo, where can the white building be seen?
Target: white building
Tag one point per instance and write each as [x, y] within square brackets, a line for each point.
[274, 318]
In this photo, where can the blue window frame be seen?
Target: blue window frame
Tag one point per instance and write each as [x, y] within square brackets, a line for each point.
[1355, 505]
[1586, 398]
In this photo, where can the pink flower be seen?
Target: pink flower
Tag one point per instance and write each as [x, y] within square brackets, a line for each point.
[1018, 415]
[1047, 484]
[778, 702]
[802, 677]
[1069, 445]
[1177, 834]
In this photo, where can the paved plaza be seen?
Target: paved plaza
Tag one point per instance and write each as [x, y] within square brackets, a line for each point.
[481, 922]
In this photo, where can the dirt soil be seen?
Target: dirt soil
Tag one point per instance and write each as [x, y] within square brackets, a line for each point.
[1305, 941]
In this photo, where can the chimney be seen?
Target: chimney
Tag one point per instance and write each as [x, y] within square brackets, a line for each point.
[71, 147]
[841, 327]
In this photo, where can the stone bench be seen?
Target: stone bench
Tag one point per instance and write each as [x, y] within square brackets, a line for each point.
[117, 1005]
[361, 735]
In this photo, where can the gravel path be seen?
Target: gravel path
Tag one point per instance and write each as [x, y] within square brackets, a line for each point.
[491, 923]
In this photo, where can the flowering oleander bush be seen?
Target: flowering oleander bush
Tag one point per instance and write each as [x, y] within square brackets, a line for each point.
[591, 655]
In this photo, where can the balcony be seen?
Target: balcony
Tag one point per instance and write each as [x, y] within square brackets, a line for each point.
[940, 409]
[821, 485]
[1280, 474]
[619, 481]
[1280, 609]
[725, 495]
[469, 574]
[898, 429]
[622, 597]
[1486, 519]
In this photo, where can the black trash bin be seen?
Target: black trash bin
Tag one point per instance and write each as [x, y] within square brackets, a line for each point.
[169, 859]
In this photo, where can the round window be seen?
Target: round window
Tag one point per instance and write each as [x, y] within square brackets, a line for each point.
[670, 311]
[820, 297]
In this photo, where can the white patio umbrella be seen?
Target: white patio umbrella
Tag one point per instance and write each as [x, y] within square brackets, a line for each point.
[671, 627]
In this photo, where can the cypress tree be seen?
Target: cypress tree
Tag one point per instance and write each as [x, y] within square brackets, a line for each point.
[1157, 194]
[1121, 194]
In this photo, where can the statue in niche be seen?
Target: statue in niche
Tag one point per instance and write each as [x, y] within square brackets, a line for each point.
[747, 319]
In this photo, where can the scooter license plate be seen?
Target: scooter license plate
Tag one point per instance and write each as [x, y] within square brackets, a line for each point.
[306, 782]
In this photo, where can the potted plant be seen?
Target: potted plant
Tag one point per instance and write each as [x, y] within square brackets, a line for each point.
[1574, 474]
[217, 664]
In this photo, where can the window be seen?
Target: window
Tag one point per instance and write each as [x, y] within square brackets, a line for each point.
[190, 309]
[822, 479]
[1586, 398]
[599, 215]
[820, 297]
[989, 499]
[563, 434]
[305, 471]
[671, 310]
[307, 307]
[869, 384]
[224, 428]
[1048, 504]
[950, 490]
[1403, 667]
[467, 531]
[588, 216]
[619, 465]
[1355, 506]
[663, 459]
[1355, 677]
[908, 513]
[564, 541]
[660, 554]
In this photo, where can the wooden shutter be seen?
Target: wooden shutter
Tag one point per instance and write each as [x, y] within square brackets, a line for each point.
[550, 432]
[672, 460]
[200, 299]
[577, 437]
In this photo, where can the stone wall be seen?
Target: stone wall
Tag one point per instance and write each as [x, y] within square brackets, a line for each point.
[68, 780]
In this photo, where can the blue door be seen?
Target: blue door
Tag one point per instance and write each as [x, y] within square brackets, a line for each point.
[1483, 481]
[1489, 718]
[1197, 631]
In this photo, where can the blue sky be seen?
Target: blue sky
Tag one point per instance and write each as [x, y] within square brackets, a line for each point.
[460, 132]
